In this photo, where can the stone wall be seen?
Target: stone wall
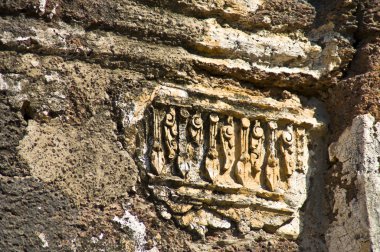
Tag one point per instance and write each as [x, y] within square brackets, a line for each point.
[196, 125]
[355, 192]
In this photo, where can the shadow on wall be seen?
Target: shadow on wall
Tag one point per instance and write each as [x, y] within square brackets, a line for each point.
[314, 213]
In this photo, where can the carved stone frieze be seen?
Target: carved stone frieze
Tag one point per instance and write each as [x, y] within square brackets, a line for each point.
[281, 153]
[171, 133]
[196, 129]
[236, 156]
[157, 156]
[228, 144]
[244, 167]
[272, 168]
[301, 146]
[227, 137]
[186, 151]
[288, 150]
[212, 164]
[257, 151]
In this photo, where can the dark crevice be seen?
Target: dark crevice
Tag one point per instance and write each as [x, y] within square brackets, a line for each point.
[346, 73]
[117, 115]
[27, 112]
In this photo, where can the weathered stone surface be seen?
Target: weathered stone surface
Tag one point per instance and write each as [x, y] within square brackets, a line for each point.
[86, 169]
[369, 20]
[34, 216]
[354, 180]
[235, 84]
[12, 126]
[199, 155]
[354, 96]
[262, 56]
[248, 15]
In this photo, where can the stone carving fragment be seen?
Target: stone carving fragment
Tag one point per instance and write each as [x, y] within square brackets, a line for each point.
[195, 146]
[212, 159]
[171, 133]
[244, 166]
[157, 156]
[287, 148]
[228, 144]
[196, 129]
[272, 168]
[301, 149]
[246, 172]
[257, 150]
[185, 149]
[262, 162]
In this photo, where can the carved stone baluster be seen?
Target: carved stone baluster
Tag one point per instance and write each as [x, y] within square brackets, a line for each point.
[244, 166]
[157, 156]
[196, 146]
[288, 150]
[228, 144]
[171, 133]
[272, 169]
[185, 148]
[301, 149]
[257, 150]
[196, 129]
[212, 158]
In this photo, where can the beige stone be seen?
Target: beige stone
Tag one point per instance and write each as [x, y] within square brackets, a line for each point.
[252, 167]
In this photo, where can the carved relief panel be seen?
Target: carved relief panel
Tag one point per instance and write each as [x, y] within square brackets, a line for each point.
[203, 152]
[260, 153]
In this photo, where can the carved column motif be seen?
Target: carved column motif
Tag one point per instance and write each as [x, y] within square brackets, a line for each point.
[301, 149]
[196, 129]
[244, 166]
[257, 150]
[157, 156]
[224, 158]
[212, 160]
[171, 133]
[195, 146]
[185, 149]
[264, 158]
[272, 169]
[228, 144]
[287, 148]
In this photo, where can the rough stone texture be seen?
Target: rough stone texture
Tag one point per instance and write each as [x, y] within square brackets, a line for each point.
[354, 187]
[220, 194]
[12, 126]
[34, 216]
[357, 93]
[263, 57]
[82, 162]
[77, 77]
[353, 96]
[352, 180]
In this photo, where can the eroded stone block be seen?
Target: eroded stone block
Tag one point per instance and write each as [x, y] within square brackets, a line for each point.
[217, 156]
